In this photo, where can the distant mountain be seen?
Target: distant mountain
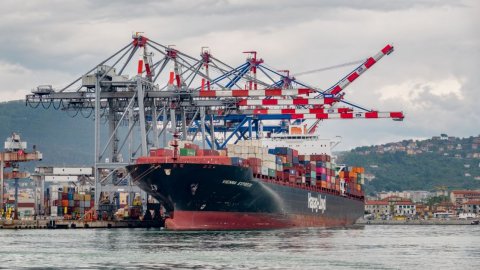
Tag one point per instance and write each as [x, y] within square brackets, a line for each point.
[419, 165]
[63, 140]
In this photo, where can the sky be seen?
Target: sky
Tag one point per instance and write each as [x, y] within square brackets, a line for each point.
[432, 76]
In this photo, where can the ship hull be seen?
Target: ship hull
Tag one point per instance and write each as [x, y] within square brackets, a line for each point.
[225, 197]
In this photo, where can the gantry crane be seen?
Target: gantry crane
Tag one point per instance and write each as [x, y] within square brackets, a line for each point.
[186, 96]
[15, 153]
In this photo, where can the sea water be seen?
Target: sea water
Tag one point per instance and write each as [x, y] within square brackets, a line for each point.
[362, 247]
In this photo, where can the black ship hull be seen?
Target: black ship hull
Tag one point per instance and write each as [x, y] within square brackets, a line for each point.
[225, 197]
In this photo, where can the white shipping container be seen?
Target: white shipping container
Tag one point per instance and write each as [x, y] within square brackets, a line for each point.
[54, 188]
[53, 211]
[244, 150]
[273, 165]
[264, 170]
[270, 165]
[53, 196]
[72, 171]
[61, 178]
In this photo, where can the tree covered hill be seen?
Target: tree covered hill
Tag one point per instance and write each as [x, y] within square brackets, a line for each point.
[419, 165]
[63, 140]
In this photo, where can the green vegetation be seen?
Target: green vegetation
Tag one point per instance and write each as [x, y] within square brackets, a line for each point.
[63, 140]
[419, 165]
[437, 200]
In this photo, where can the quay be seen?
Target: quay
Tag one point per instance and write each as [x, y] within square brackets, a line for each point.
[77, 224]
[415, 222]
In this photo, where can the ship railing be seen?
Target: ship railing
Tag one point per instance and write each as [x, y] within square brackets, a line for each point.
[277, 180]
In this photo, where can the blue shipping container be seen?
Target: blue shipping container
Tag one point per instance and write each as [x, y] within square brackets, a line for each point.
[281, 150]
[237, 161]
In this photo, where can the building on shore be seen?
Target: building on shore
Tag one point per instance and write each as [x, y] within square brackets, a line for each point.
[377, 209]
[459, 197]
[393, 207]
[413, 195]
[472, 206]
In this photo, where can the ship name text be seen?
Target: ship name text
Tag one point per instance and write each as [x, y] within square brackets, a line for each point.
[317, 203]
[236, 183]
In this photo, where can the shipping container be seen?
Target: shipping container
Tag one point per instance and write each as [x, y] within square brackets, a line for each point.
[187, 152]
[237, 161]
[162, 152]
[72, 171]
[271, 172]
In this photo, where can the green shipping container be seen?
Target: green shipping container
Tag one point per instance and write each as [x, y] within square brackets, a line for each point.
[187, 152]
[271, 173]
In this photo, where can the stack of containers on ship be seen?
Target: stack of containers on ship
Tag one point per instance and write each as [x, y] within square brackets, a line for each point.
[354, 179]
[277, 164]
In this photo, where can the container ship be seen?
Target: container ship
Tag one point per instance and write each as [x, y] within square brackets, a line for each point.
[286, 180]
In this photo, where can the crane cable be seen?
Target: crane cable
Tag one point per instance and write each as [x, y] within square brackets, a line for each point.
[328, 68]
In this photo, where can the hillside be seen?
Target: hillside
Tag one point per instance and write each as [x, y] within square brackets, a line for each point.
[62, 139]
[415, 165]
[419, 165]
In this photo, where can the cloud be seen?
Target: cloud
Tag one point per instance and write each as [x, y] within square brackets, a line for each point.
[18, 81]
[432, 76]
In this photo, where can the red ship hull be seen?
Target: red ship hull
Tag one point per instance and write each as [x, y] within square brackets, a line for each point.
[213, 220]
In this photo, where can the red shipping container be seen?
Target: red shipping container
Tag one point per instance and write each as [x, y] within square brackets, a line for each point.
[162, 152]
[207, 152]
[191, 146]
[255, 162]
[292, 179]
[322, 158]
[294, 153]
[210, 152]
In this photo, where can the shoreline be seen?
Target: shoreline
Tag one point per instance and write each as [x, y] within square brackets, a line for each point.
[414, 222]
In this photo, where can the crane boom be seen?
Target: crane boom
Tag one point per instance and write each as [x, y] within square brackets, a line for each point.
[352, 76]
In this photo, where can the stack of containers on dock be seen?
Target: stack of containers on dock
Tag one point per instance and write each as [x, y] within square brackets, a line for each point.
[65, 200]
